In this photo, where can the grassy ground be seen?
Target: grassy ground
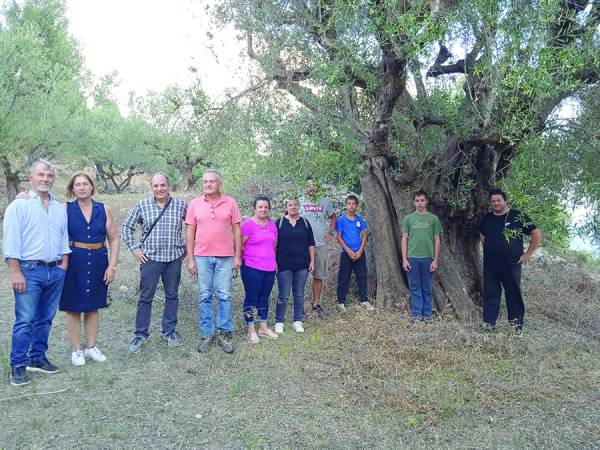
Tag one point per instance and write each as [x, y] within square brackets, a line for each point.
[358, 380]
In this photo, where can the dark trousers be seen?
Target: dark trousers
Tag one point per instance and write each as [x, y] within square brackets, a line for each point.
[347, 266]
[258, 285]
[150, 273]
[509, 279]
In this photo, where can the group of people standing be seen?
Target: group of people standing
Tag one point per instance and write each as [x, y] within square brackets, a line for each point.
[58, 257]
[501, 233]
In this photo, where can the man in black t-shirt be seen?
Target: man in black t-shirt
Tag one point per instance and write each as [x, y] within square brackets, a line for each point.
[501, 232]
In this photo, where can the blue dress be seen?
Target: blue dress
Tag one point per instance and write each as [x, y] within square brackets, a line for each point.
[84, 290]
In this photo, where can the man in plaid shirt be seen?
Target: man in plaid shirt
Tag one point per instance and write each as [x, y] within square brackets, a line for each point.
[160, 252]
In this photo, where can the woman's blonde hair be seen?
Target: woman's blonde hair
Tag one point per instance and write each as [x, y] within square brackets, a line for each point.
[79, 173]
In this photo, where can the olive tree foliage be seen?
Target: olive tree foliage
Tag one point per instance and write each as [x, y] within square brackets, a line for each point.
[41, 84]
[440, 95]
[181, 119]
[566, 165]
[118, 148]
[298, 145]
[193, 132]
[582, 147]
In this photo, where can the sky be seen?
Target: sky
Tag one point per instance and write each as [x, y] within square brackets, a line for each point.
[152, 44]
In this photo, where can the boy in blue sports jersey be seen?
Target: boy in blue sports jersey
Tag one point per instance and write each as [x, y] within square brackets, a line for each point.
[351, 232]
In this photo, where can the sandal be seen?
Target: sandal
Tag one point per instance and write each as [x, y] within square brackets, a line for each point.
[268, 333]
[253, 338]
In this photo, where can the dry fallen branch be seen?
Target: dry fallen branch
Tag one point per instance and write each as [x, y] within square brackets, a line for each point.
[34, 394]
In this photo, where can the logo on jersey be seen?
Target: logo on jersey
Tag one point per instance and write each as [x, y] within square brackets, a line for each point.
[313, 209]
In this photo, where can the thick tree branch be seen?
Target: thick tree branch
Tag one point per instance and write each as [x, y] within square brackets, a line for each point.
[350, 111]
[415, 69]
[464, 66]
[284, 77]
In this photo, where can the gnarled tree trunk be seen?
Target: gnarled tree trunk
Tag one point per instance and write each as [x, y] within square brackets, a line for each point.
[457, 282]
[187, 177]
[12, 178]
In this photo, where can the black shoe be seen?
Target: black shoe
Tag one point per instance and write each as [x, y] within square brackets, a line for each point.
[225, 341]
[319, 311]
[42, 365]
[18, 376]
[204, 344]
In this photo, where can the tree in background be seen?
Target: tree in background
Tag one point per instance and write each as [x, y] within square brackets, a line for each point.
[180, 118]
[43, 113]
[41, 85]
[437, 95]
[119, 148]
[194, 132]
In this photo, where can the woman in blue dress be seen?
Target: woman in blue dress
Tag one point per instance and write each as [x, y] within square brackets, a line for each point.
[90, 271]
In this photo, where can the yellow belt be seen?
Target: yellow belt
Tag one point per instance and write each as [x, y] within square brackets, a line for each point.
[88, 246]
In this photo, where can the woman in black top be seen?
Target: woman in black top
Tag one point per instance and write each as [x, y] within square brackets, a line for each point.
[295, 258]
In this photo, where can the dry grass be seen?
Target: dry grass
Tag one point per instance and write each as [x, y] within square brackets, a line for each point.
[565, 290]
[357, 380]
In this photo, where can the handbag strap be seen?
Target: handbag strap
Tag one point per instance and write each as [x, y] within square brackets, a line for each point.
[156, 221]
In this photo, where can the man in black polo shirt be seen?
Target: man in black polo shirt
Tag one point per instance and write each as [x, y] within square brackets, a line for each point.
[501, 232]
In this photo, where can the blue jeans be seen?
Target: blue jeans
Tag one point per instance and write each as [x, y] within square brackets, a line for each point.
[214, 276]
[419, 284]
[35, 309]
[296, 281]
[258, 285]
[150, 272]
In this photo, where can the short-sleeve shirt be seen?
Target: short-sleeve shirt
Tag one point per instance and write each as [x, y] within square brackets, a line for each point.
[214, 225]
[351, 230]
[259, 250]
[318, 215]
[421, 229]
[503, 243]
[292, 244]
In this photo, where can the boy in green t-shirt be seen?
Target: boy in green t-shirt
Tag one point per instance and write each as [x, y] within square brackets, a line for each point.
[421, 232]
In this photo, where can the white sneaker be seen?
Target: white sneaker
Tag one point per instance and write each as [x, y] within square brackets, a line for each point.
[298, 327]
[341, 307]
[77, 358]
[94, 354]
[279, 327]
[367, 306]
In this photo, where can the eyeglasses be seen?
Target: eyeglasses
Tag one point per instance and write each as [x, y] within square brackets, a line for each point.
[212, 212]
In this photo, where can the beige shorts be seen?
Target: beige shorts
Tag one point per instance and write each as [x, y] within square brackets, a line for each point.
[320, 270]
